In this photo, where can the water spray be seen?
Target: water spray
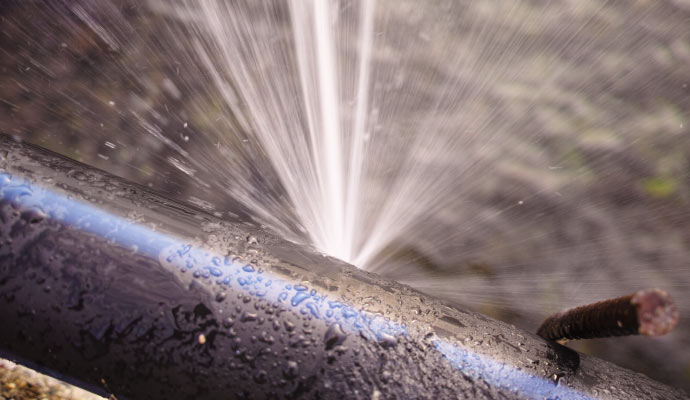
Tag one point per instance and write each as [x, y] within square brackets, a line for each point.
[110, 286]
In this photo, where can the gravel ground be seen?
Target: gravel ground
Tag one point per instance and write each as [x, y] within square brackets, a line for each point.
[17, 383]
[580, 192]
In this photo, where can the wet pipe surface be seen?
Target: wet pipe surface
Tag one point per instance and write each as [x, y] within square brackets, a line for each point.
[108, 285]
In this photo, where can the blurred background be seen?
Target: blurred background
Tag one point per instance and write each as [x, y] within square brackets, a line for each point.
[556, 135]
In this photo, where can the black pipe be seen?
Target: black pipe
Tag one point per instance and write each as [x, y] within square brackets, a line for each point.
[110, 286]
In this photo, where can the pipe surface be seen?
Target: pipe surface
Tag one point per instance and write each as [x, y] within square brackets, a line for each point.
[107, 285]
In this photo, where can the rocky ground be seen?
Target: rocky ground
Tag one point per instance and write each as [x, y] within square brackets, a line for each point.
[17, 383]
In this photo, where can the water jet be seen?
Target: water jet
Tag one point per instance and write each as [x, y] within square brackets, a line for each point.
[106, 284]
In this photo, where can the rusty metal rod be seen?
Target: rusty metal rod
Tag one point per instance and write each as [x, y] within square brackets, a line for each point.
[650, 312]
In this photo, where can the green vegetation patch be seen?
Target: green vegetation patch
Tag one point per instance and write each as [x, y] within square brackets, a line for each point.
[660, 187]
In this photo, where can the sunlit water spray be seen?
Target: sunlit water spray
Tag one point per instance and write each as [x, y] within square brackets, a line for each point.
[311, 117]
[517, 157]
[393, 136]
[389, 160]
[309, 108]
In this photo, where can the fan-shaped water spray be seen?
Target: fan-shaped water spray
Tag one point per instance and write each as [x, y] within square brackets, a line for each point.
[307, 110]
